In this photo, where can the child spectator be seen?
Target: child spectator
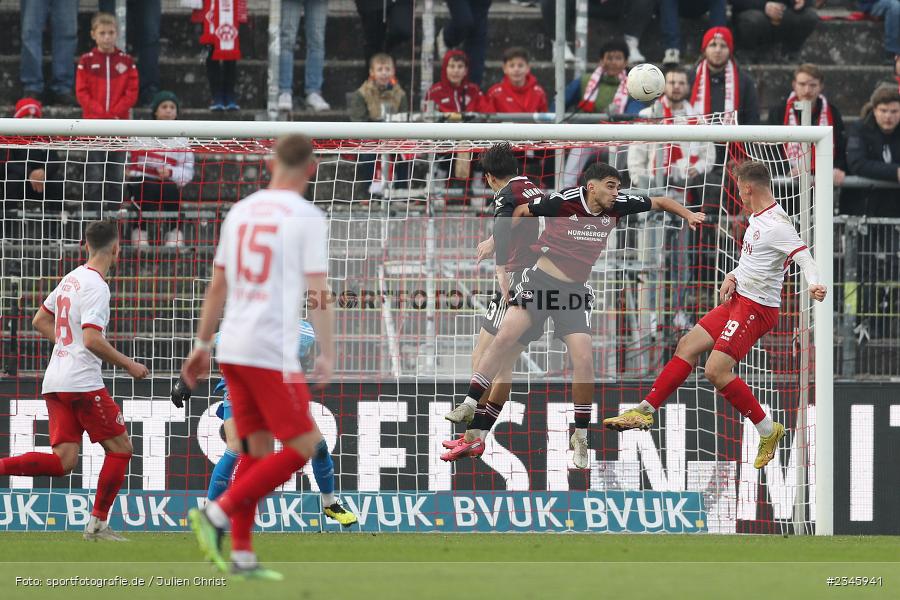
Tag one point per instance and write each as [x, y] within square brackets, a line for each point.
[378, 98]
[519, 91]
[808, 85]
[454, 93]
[221, 21]
[604, 90]
[106, 84]
[160, 175]
[33, 180]
[760, 24]
[719, 86]
[889, 10]
[106, 79]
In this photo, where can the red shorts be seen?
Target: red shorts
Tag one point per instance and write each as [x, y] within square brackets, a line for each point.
[264, 399]
[738, 324]
[73, 413]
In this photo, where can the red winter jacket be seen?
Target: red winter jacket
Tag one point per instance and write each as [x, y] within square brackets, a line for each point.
[467, 97]
[106, 85]
[506, 98]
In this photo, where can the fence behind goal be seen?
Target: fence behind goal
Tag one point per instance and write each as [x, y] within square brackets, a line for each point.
[407, 207]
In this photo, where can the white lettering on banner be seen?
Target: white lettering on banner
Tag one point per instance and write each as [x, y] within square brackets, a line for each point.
[862, 461]
[78, 511]
[21, 434]
[209, 436]
[158, 511]
[126, 511]
[780, 481]
[440, 475]
[544, 512]
[266, 518]
[154, 416]
[92, 457]
[635, 443]
[560, 415]
[414, 510]
[501, 459]
[26, 513]
[621, 516]
[464, 509]
[657, 522]
[372, 457]
[491, 515]
[595, 513]
[675, 514]
[361, 512]
[289, 512]
[383, 512]
[514, 519]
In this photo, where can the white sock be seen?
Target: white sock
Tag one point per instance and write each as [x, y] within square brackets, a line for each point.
[215, 514]
[766, 426]
[581, 433]
[646, 407]
[328, 499]
[243, 558]
[95, 524]
[471, 402]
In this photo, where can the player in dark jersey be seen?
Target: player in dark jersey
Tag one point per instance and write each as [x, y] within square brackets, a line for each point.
[513, 246]
[578, 222]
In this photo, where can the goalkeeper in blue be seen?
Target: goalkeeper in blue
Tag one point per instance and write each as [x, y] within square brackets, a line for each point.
[322, 463]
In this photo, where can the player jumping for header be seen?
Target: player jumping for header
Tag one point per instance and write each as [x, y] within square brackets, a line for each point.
[74, 317]
[579, 221]
[751, 297]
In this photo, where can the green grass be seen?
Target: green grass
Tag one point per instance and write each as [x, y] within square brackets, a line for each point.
[466, 566]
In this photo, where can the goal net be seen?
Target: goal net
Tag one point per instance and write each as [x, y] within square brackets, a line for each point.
[407, 206]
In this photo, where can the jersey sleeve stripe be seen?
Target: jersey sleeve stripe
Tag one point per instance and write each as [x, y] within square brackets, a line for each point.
[791, 255]
[91, 326]
[313, 273]
[48, 310]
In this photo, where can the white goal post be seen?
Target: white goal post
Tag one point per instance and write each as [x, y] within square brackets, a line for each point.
[820, 138]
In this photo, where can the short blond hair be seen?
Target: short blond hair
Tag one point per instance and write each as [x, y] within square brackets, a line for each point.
[102, 18]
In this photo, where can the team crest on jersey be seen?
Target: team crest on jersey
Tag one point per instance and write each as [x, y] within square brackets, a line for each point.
[604, 220]
[573, 218]
[756, 235]
[120, 419]
[527, 295]
[121, 68]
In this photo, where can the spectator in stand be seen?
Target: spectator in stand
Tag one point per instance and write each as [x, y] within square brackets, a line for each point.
[889, 10]
[159, 176]
[719, 85]
[386, 25]
[760, 24]
[808, 85]
[468, 27]
[64, 21]
[144, 18]
[670, 13]
[603, 91]
[454, 94]
[519, 92]
[632, 16]
[315, 14]
[379, 97]
[106, 85]
[33, 179]
[221, 22]
[873, 151]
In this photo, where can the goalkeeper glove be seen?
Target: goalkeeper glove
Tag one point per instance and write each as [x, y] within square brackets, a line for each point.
[181, 393]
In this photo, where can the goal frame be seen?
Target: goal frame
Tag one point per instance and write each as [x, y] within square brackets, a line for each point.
[819, 137]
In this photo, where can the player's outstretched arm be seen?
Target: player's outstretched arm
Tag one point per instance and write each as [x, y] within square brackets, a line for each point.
[676, 208]
[321, 315]
[197, 364]
[485, 249]
[807, 263]
[100, 347]
[45, 324]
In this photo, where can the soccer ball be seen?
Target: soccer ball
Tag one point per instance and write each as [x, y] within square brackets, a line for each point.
[646, 82]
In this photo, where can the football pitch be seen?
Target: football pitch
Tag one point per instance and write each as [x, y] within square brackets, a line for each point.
[427, 566]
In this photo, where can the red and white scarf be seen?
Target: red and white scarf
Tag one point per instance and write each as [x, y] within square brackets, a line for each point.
[674, 152]
[220, 20]
[589, 100]
[701, 99]
[794, 151]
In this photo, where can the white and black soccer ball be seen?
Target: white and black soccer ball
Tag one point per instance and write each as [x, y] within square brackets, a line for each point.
[646, 82]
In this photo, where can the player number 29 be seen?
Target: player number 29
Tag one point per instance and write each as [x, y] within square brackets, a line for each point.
[730, 328]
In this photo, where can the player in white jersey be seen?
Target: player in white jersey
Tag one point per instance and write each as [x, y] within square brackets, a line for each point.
[74, 317]
[272, 249]
[751, 297]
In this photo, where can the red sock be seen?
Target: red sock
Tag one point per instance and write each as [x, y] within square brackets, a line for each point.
[671, 378]
[738, 393]
[112, 476]
[31, 464]
[260, 479]
[242, 520]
